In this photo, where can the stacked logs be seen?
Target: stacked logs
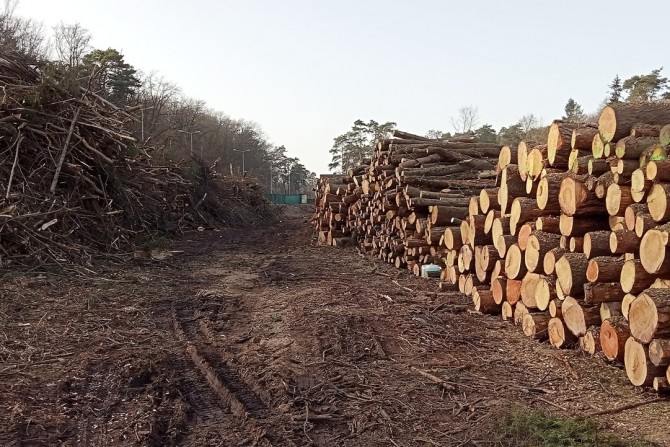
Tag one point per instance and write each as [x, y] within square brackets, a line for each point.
[571, 242]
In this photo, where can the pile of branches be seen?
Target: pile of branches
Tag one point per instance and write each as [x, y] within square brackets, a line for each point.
[74, 183]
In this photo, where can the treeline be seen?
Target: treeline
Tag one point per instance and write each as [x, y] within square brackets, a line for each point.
[352, 147]
[170, 126]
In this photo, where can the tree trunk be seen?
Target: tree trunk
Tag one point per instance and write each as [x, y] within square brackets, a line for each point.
[559, 142]
[506, 156]
[653, 251]
[506, 311]
[488, 200]
[524, 209]
[657, 201]
[598, 167]
[547, 190]
[617, 120]
[484, 303]
[610, 310]
[590, 342]
[548, 224]
[514, 265]
[579, 226]
[519, 312]
[513, 291]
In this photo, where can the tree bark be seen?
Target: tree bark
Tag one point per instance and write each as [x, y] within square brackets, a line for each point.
[659, 352]
[535, 326]
[604, 269]
[624, 241]
[582, 137]
[630, 148]
[602, 292]
[597, 243]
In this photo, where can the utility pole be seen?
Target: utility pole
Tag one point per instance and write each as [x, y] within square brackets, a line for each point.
[142, 114]
[243, 151]
[191, 133]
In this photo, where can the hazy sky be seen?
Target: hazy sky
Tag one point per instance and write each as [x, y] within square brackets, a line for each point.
[305, 70]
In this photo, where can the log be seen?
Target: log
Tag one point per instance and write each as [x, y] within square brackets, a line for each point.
[643, 223]
[657, 201]
[664, 134]
[549, 262]
[575, 199]
[513, 291]
[443, 215]
[522, 157]
[498, 289]
[545, 292]
[488, 223]
[617, 120]
[548, 224]
[548, 189]
[529, 284]
[579, 226]
[597, 243]
[452, 238]
[631, 148]
[559, 336]
[602, 292]
[511, 187]
[484, 302]
[597, 167]
[631, 213]
[597, 146]
[661, 385]
[534, 325]
[610, 310]
[639, 369]
[559, 142]
[506, 311]
[503, 243]
[645, 130]
[555, 309]
[653, 251]
[514, 266]
[500, 227]
[659, 352]
[519, 312]
[582, 136]
[576, 244]
[578, 318]
[634, 277]
[604, 269]
[649, 315]
[538, 245]
[624, 241]
[488, 199]
[590, 342]
[571, 274]
[618, 198]
[506, 156]
[524, 233]
[613, 335]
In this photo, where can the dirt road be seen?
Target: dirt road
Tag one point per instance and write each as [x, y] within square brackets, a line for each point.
[258, 337]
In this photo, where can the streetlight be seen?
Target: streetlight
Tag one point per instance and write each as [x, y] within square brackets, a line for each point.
[191, 134]
[243, 151]
[142, 113]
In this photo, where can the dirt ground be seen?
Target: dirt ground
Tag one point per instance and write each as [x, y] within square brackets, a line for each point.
[259, 337]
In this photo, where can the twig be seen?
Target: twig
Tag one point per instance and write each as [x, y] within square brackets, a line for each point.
[16, 160]
[445, 385]
[63, 153]
[627, 407]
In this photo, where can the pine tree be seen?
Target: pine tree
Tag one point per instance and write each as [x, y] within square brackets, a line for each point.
[615, 90]
[573, 111]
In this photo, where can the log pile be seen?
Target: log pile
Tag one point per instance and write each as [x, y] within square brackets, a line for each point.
[74, 184]
[570, 240]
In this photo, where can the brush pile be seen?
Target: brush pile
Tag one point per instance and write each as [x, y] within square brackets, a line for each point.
[74, 184]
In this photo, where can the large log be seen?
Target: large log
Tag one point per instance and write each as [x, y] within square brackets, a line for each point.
[559, 142]
[488, 200]
[602, 292]
[538, 245]
[596, 243]
[534, 325]
[582, 136]
[658, 198]
[559, 336]
[483, 301]
[640, 371]
[576, 200]
[506, 156]
[654, 250]
[579, 226]
[613, 335]
[634, 277]
[514, 266]
[618, 198]
[571, 274]
[624, 241]
[649, 315]
[550, 259]
[548, 189]
[578, 318]
[604, 269]
[617, 120]
[529, 285]
[659, 352]
[631, 147]
[548, 224]
[524, 209]
[590, 341]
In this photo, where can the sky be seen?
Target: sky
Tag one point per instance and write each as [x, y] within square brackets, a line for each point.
[305, 70]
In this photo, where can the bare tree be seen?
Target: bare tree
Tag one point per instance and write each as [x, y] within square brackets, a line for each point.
[528, 122]
[466, 120]
[71, 42]
[21, 35]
